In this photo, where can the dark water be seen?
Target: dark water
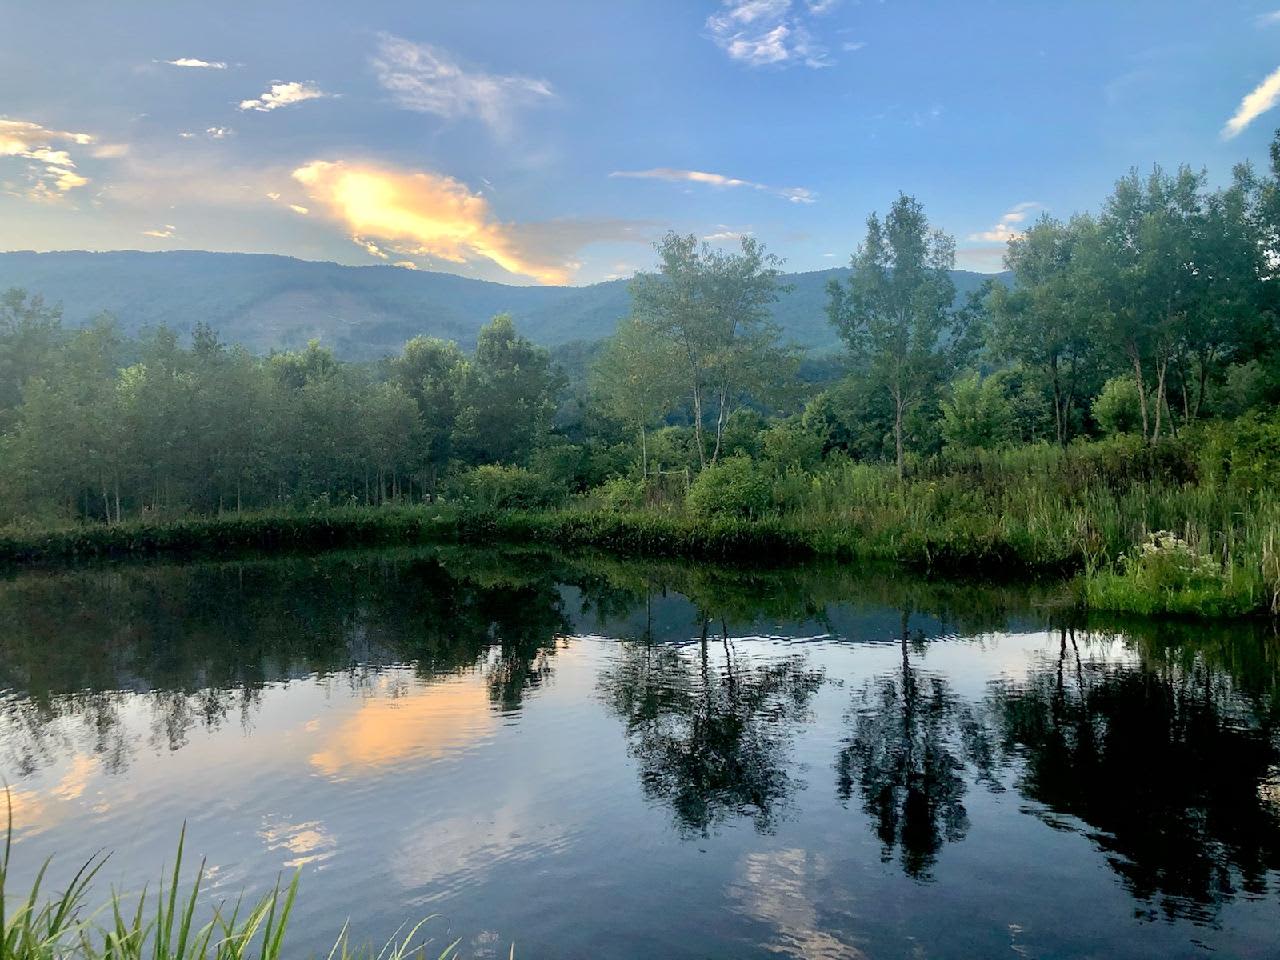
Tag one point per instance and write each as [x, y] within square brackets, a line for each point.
[597, 759]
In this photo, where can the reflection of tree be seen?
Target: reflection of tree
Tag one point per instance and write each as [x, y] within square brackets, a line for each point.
[1162, 762]
[907, 755]
[195, 644]
[710, 734]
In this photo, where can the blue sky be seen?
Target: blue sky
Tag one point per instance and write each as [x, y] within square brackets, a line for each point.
[554, 141]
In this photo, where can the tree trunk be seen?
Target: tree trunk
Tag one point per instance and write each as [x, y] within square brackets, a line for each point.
[897, 432]
[644, 453]
[1142, 393]
[697, 425]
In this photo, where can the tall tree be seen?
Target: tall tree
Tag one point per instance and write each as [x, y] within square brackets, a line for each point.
[428, 370]
[637, 380]
[30, 333]
[1044, 320]
[713, 307]
[894, 313]
[506, 396]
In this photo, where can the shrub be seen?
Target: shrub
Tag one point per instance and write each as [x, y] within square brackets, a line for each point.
[498, 487]
[1245, 453]
[1118, 408]
[621, 494]
[736, 487]
[791, 444]
[977, 414]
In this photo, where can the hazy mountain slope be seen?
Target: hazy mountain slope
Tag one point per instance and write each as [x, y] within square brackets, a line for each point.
[270, 302]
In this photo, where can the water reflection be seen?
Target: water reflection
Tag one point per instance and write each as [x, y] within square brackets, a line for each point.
[913, 742]
[455, 723]
[1159, 762]
[710, 731]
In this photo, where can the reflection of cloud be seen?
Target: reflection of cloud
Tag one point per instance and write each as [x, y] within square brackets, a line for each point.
[36, 810]
[428, 80]
[430, 215]
[426, 723]
[778, 888]
[459, 851]
[310, 842]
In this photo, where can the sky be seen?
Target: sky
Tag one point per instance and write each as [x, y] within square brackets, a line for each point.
[555, 141]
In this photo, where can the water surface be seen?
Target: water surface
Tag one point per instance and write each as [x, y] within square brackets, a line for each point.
[592, 758]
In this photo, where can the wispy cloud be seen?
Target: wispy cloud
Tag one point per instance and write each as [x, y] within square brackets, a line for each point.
[725, 234]
[283, 95]
[1264, 20]
[1008, 225]
[427, 79]
[794, 194]
[53, 172]
[770, 32]
[1255, 103]
[420, 214]
[196, 64]
[161, 234]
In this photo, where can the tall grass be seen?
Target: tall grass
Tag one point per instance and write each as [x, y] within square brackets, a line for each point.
[167, 925]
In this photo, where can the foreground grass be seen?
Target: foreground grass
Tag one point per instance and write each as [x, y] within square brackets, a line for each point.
[167, 925]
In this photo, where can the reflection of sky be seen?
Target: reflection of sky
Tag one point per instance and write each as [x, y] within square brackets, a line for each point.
[400, 795]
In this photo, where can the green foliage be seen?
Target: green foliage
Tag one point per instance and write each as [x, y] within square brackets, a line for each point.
[168, 925]
[735, 487]
[1246, 452]
[500, 487]
[792, 443]
[977, 414]
[1118, 408]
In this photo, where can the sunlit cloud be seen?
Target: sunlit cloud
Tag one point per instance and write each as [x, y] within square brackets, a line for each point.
[53, 171]
[426, 79]
[769, 32]
[429, 215]
[164, 233]
[197, 64]
[794, 194]
[283, 95]
[1008, 226]
[1255, 103]
[299, 209]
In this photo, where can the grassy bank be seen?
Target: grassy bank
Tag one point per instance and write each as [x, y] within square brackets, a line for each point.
[1149, 529]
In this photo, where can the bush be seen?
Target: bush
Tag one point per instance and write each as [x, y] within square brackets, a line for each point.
[498, 487]
[1118, 408]
[977, 415]
[621, 494]
[790, 444]
[736, 487]
[1245, 453]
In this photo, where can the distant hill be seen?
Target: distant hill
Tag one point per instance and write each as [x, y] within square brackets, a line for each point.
[270, 302]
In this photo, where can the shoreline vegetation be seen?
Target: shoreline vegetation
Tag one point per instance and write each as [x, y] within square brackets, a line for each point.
[1143, 529]
[1109, 409]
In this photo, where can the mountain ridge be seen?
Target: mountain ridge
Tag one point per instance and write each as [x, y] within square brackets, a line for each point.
[272, 301]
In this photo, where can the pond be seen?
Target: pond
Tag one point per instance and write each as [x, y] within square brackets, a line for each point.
[592, 758]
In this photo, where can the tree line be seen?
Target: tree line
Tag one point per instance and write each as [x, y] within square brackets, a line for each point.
[1152, 314]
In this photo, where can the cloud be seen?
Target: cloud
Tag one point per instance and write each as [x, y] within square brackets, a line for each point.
[111, 151]
[766, 32]
[299, 209]
[164, 234]
[197, 64]
[851, 46]
[1007, 227]
[724, 234]
[427, 79]
[794, 194]
[53, 172]
[213, 133]
[1255, 103]
[422, 214]
[1264, 20]
[284, 94]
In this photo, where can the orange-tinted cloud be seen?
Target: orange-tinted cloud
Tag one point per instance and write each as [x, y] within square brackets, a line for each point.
[424, 214]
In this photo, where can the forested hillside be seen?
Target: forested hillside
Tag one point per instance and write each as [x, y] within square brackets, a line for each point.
[270, 302]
